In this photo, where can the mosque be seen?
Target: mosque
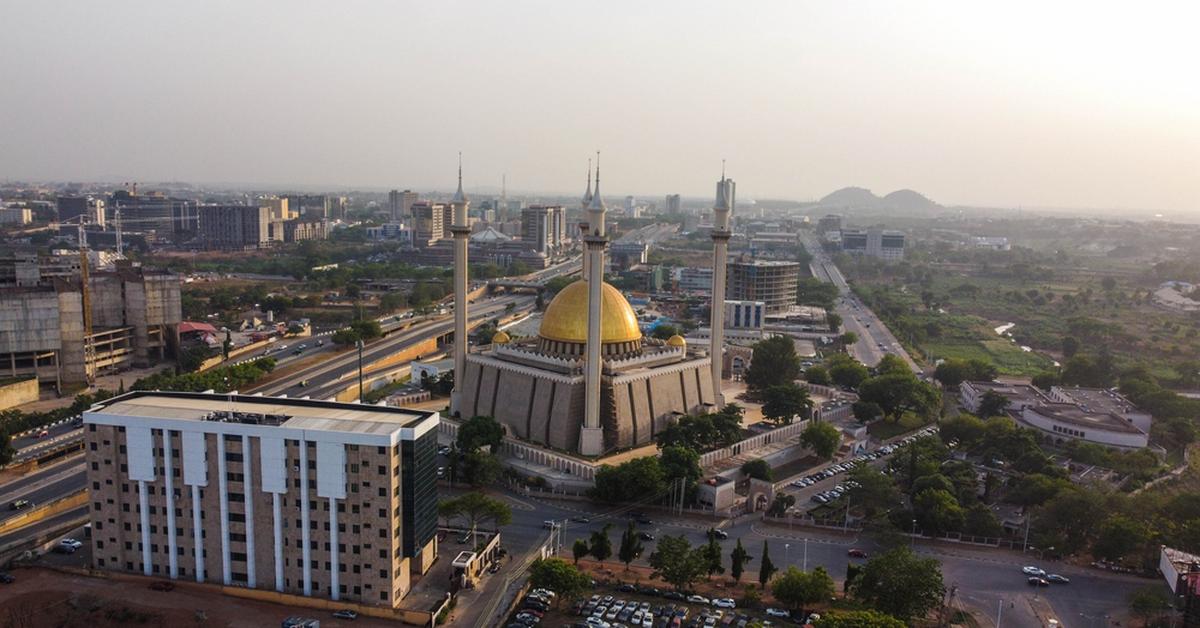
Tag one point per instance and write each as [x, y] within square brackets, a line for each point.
[590, 382]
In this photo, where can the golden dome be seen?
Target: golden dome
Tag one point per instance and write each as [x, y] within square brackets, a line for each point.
[500, 338]
[566, 317]
[676, 341]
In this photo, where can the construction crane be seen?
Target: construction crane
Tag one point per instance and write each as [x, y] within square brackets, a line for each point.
[89, 347]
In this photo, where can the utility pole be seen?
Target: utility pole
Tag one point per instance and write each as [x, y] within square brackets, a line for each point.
[999, 611]
[360, 370]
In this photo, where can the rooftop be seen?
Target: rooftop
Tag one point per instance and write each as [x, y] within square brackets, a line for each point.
[301, 414]
[1097, 399]
[1071, 413]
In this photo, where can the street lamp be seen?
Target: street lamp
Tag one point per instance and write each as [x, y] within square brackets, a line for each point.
[912, 540]
[806, 553]
[786, 552]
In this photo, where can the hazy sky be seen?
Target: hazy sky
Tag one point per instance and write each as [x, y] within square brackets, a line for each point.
[1066, 104]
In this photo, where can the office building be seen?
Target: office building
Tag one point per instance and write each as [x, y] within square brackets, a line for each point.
[71, 208]
[625, 255]
[154, 215]
[544, 228]
[828, 223]
[772, 282]
[877, 243]
[15, 215]
[313, 498]
[694, 279]
[278, 207]
[236, 227]
[427, 222]
[672, 204]
[400, 204]
[298, 230]
[310, 206]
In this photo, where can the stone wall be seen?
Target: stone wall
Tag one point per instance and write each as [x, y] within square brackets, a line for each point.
[15, 393]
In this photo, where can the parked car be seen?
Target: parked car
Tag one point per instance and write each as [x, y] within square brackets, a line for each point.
[724, 602]
[697, 599]
[778, 612]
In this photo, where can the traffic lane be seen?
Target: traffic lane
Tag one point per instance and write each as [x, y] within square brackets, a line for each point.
[55, 432]
[332, 371]
[48, 493]
[19, 486]
[29, 534]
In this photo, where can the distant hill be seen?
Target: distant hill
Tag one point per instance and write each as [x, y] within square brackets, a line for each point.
[851, 197]
[908, 200]
[862, 198]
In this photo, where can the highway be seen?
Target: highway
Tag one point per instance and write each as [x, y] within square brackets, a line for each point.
[874, 338]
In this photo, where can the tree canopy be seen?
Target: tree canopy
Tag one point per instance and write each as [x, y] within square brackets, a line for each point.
[796, 589]
[559, 576]
[900, 584]
[823, 438]
[675, 561]
[782, 403]
[474, 509]
[773, 362]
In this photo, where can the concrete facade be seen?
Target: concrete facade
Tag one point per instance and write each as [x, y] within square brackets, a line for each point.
[335, 500]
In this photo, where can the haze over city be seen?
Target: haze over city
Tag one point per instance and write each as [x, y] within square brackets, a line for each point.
[1075, 105]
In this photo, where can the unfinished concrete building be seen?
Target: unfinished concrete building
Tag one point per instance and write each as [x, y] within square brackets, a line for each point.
[135, 315]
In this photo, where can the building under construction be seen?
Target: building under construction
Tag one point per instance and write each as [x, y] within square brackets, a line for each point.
[51, 328]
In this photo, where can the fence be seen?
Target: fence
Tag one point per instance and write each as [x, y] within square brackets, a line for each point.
[581, 469]
[754, 442]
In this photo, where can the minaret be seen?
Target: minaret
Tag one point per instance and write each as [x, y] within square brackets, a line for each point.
[460, 229]
[591, 435]
[720, 237]
[587, 201]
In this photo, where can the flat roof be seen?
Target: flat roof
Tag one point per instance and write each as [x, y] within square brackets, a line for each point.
[1098, 399]
[1071, 413]
[304, 414]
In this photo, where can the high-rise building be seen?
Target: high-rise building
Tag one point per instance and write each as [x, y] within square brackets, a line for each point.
[237, 227]
[427, 222]
[829, 222]
[544, 227]
[154, 214]
[90, 208]
[313, 498]
[337, 207]
[278, 206]
[310, 206]
[672, 205]
[400, 204]
[772, 282]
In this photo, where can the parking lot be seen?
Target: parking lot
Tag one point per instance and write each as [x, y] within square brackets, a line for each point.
[640, 607]
[810, 487]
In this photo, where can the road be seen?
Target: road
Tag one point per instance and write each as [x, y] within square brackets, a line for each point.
[984, 577]
[874, 338]
[337, 372]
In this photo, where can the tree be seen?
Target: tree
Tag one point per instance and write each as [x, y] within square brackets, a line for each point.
[227, 345]
[952, 372]
[937, 511]
[848, 373]
[559, 576]
[780, 505]
[857, 619]
[477, 468]
[981, 521]
[968, 430]
[992, 404]
[580, 549]
[823, 438]
[679, 462]
[766, 568]
[818, 375]
[6, 449]
[601, 547]
[848, 338]
[477, 432]
[866, 411]
[1119, 536]
[711, 553]
[900, 584]
[796, 589]
[891, 363]
[873, 491]
[758, 469]
[782, 403]
[631, 546]
[737, 561]
[834, 321]
[474, 509]
[773, 362]
[897, 393]
[1070, 346]
[1149, 602]
[674, 560]
[630, 481]
[664, 331]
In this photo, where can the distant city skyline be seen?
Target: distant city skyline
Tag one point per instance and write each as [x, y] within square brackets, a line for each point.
[1071, 105]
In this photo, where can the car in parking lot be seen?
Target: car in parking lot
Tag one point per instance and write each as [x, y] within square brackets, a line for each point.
[697, 599]
[724, 602]
[778, 612]
[74, 544]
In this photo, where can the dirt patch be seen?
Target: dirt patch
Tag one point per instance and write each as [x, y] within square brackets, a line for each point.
[43, 597]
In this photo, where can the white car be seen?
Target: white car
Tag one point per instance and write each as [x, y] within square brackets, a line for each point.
[778, 612]
[724, 602]
[1033, 571]
[697, 599]
[71, 543]
[648, 620]
[597, 623]
[545, 593]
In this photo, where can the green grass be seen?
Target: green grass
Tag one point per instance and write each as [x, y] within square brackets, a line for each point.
[884, 429]
[1007, 356]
